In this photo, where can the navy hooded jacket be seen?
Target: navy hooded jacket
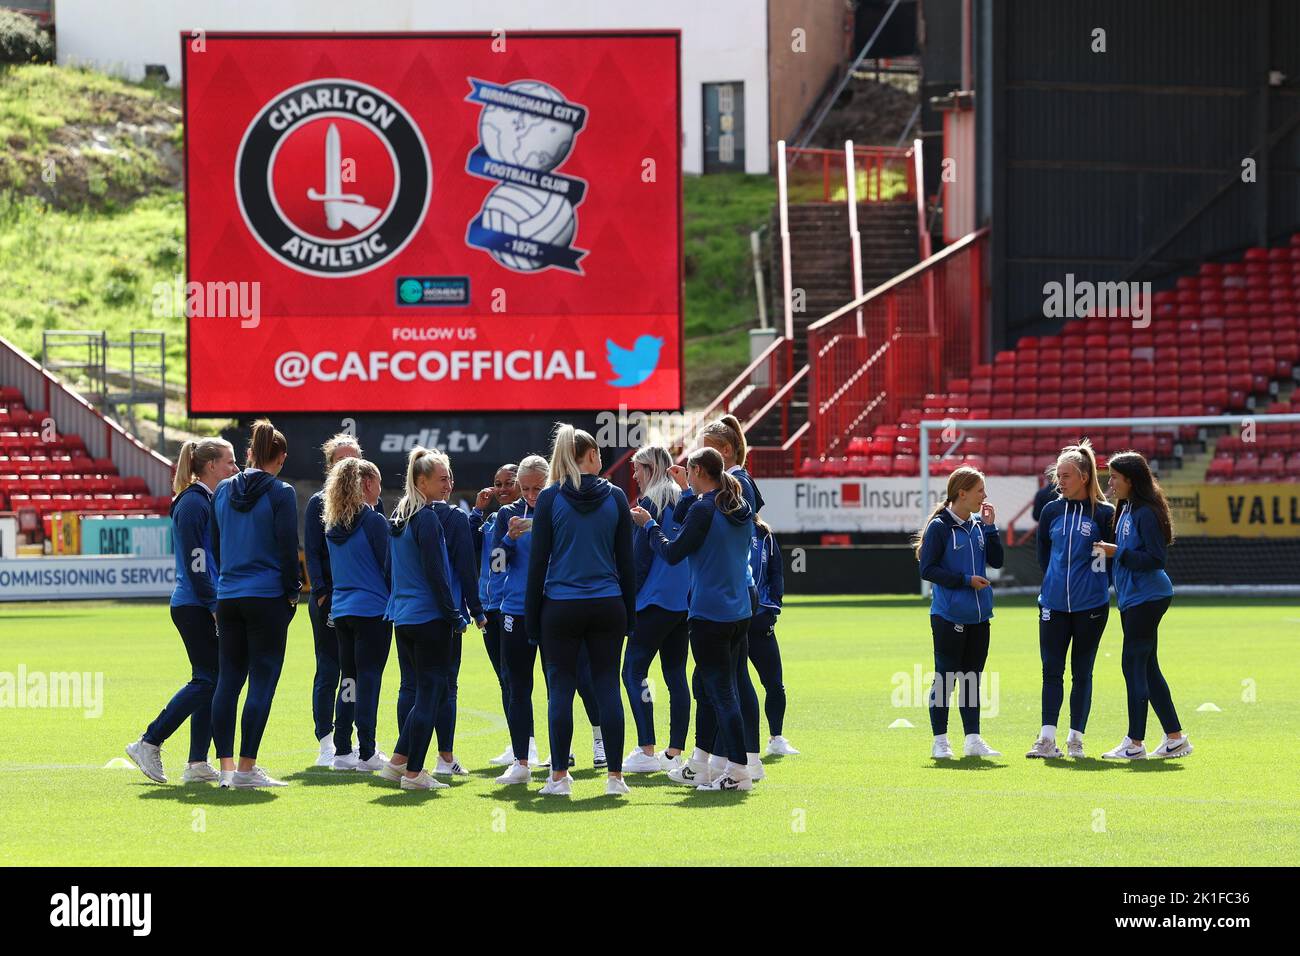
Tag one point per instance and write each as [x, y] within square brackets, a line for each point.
[255, 537]
[314, 548]
[659, 583]
[421, 572]
[358, 554]
[771, 574]
[1140, 553]
[1074, 579]
[952, 552]
[458, 534]
[581, 548]
[717, 548]
[196, 580]
[755, 501]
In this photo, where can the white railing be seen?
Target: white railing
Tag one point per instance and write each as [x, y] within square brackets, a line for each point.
[73, 415]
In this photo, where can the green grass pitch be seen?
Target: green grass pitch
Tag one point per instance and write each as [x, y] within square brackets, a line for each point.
[861, 792]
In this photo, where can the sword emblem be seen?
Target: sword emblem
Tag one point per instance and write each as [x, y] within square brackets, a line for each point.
[341, 207]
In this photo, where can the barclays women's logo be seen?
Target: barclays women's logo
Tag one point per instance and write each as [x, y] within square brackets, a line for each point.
[528, 221]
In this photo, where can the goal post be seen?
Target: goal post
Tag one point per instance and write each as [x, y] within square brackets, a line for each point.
[1233, 536]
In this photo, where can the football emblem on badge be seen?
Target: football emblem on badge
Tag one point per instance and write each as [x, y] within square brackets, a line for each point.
[333, 177]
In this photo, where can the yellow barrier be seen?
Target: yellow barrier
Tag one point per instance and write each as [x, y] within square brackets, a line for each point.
[1248, 511]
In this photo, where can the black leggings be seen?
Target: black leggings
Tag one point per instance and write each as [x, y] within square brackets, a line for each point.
[766, 657]
[1055, 631]
[198, 631]
[746, 698]
[492, 643]
[251, 637]
[719, 726]
[598, 624]
[661, 632]
[325, 683]
[427, 647]
[517, 659]
[1142, 671]
[364, 643]
[960, 651]
[446, 722]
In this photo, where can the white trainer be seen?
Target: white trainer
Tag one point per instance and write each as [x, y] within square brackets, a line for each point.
[392, 771]
[1126, 750]
[257, 777]
[377, 761]
[423, 781]
[733, 778]
[667, 763]
[1172, 748]
[454, 768]
[1074, 748]
[517, 773]
[347, 761]
[638, 761]
[227, 779]
[694, 773]
[778, 746]
[558, 788]
[327, 752]
[200, 773]
[976, 747]
[755, 768]
[598, 758]
[505, 758]
[1045, 748]
[148, 758]
[942, 750]
[616, 787]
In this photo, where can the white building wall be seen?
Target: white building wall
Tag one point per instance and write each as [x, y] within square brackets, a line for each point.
[722, 40]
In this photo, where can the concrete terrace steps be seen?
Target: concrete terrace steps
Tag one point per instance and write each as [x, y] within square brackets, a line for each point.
[821, 263]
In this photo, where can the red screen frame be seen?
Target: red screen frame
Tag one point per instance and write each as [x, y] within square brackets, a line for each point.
[269, 404]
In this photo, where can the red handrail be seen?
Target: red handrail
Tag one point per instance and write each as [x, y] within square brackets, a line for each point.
[920, 328]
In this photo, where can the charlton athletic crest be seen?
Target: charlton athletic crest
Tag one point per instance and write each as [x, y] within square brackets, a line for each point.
[333, 177]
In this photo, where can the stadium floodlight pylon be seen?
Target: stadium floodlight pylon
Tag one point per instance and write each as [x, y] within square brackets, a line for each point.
[1081, 427]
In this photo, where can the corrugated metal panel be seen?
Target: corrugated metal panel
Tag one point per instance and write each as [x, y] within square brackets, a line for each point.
[1150, 42]
[1153, 129]
[1103, 155]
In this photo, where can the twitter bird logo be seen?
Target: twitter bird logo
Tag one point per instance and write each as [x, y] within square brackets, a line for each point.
[633, 366]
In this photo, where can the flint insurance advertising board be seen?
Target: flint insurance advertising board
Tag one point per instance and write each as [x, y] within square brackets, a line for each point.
[404, 222]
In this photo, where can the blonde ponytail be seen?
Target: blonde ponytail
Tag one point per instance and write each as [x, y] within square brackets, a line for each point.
[569, 447]
[194, 457]
[418, 464]
[184, 468]
[1085, 459]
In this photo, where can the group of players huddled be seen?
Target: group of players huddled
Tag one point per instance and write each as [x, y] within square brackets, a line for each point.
[564, 569]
